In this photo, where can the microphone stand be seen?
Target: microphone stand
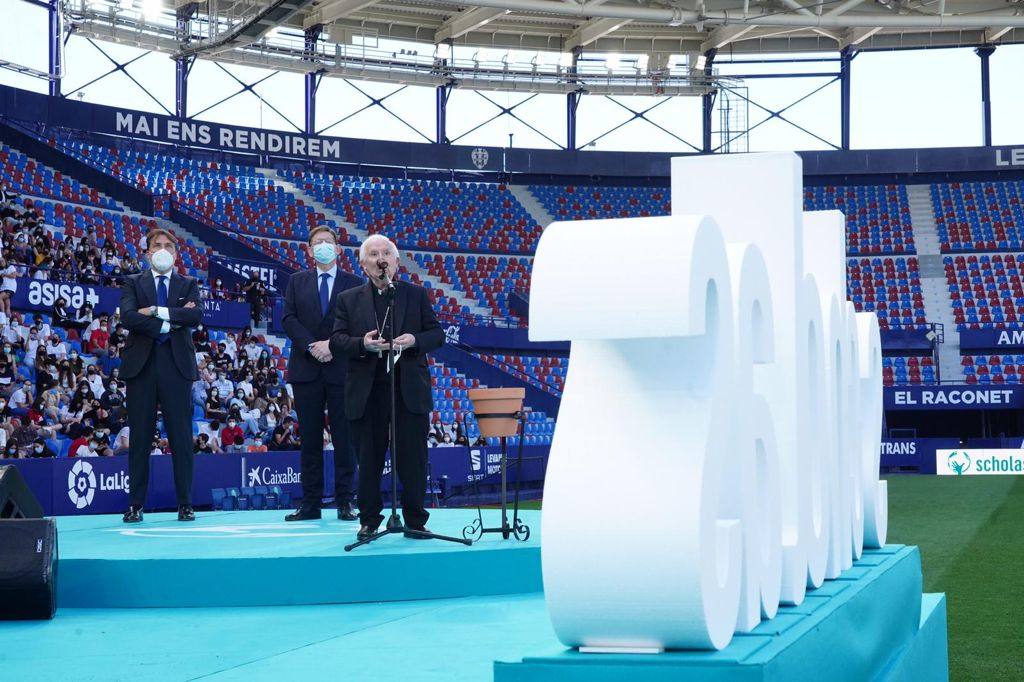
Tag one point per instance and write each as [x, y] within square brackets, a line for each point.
[395, 524]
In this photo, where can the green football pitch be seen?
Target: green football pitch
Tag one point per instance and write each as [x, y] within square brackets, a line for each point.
[971, 534]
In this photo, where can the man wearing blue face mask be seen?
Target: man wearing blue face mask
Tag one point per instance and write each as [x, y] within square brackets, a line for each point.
[160, 308]
[317, 378]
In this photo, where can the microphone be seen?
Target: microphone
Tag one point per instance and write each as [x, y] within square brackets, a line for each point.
[383, 265]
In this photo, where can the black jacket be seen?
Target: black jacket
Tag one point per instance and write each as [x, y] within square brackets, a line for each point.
[139, 291]
[354, 317]
[304, 324]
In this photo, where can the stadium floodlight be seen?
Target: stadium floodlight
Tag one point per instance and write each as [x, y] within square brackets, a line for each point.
[700, 62]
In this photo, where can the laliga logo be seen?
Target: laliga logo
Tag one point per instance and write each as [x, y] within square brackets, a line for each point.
[451, 333]
[81, 484]
[740, 404]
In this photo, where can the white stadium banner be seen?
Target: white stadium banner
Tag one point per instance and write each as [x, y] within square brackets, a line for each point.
[970, 462]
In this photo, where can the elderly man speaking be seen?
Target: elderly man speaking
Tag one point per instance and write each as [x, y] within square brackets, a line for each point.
[360, 323]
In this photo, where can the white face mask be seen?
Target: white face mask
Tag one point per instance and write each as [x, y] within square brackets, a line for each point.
[162, 260]
[324, 253]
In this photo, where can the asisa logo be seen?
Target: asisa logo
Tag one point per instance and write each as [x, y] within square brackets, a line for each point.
[81, 484]
[959, 462]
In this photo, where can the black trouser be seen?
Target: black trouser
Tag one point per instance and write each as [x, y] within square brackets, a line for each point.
[370, 435]
[159, 382]
[311, 398]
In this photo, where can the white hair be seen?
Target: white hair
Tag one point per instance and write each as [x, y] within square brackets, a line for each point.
[376, 238]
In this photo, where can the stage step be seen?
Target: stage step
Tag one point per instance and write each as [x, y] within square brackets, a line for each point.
[255, 558]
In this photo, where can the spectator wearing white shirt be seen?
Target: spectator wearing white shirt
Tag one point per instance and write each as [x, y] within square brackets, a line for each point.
[95, 379]
[212, 429]
[12, 333]
[8, 286]
[223, 385]
[56, 348]
[121, 442]
[246, 385]
[22, 398]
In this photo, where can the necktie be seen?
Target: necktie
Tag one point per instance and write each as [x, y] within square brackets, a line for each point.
[325, 294]
[161, 301]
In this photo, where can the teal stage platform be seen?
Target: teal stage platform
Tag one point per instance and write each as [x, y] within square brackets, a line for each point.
[872, 623]
[455, 613]
[254, 558]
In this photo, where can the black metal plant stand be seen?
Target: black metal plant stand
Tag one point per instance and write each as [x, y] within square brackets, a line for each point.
[394, 523]
[520, 530]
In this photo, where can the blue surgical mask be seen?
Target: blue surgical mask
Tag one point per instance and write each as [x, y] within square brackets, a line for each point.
[324, 253]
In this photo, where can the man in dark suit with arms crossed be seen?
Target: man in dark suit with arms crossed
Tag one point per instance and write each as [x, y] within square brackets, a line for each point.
[160, 308]
[360, 320]
[317, 377]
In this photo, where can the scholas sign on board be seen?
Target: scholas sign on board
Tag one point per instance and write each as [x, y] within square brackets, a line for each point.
[954, 398]
[225, 137]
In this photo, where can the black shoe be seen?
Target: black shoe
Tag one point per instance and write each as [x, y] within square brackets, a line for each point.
[412, 536]
[303, 514]
[133, 515]
[365, 532]
[347, 512]
[186, 513]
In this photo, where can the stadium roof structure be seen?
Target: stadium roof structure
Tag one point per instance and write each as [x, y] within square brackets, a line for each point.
[664, 45]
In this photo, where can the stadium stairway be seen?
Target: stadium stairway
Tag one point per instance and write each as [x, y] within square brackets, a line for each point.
[407, 262]
[489, 375]
[537, 211]
[933, 280]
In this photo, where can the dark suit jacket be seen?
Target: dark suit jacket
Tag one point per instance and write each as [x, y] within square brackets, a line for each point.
[139, 291]
[353, 318]
[304, 324]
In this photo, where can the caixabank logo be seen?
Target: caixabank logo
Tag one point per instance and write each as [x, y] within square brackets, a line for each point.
[264, 475]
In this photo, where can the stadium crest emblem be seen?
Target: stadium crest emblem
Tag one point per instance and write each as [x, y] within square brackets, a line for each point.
[480, 157]
[81, 484]
[959, 462]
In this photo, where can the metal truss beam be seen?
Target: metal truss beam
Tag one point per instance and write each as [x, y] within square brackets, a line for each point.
[642, 116]
[376, 102]
[591, 31]
[250, 30]
[250, 88]
[772, 113]
[994, 34]
[123, 68]
[462, 23]
[507, 111]
[723, 35]
[336, 9]
[856, 36]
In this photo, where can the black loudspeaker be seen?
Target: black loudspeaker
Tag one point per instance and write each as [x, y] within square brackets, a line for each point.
[28, 571]
[16, 499]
